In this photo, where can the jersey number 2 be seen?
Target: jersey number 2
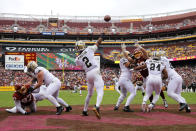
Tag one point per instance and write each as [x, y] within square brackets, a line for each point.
[86, 61]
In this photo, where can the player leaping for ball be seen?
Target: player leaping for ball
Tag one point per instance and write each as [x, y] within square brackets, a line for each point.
[156, 68]
[86, 60]
[140, 56]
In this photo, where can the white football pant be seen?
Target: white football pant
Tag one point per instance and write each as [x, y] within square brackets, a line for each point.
[126, 86]
[174, 89]
[94, 79]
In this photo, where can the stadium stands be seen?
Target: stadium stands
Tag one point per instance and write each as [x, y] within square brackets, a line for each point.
[153, 24]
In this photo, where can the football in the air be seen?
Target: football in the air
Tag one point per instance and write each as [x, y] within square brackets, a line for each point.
[107, 18]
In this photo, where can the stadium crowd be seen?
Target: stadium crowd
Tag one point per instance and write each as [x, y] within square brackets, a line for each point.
[182, 49]
[70, 79]
[32, 26]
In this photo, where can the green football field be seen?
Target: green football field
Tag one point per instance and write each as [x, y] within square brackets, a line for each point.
[110, 97]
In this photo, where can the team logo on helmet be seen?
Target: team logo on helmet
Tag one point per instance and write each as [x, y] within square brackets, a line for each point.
[138, 54]
[156, 55]
[31, 66]
[80, 45]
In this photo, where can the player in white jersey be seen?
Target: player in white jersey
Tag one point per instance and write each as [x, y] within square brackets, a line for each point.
[154, 80]
[86, 60]
[52, 83]
[174, 87]
[125, 84]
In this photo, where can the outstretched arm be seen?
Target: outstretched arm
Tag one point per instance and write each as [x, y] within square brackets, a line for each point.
[145, 54]
[126, 53]
[99, 41]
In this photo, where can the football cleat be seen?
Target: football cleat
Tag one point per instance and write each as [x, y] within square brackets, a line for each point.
[127, 109]
[150, 107]
[10, 110]
[68, 109]
[143, 107]
[116, 108]
[97, 112]
[59, 110]
[188, 109]
[165, 103]
[84, 113]
[183, 106]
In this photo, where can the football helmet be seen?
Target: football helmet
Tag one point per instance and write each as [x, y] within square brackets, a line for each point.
[162, 53]
[31, 66]
[23, 90]
[17, 87]
[156, 55]
[137, 54]
[80, 45]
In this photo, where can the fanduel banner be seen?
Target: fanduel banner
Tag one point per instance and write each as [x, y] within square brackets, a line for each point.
[38, 49]
[14, 62]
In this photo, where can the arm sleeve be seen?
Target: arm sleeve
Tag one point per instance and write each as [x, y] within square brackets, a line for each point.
[94, 47]
[19, 107]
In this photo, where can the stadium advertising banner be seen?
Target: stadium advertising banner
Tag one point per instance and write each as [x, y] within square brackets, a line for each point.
[57, 61]
[37, 49]
[46, 33]
[14, 62]
[184, 58]
[27, 56]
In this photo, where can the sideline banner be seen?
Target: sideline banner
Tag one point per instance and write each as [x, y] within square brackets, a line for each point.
[184, 58]
[7, 88]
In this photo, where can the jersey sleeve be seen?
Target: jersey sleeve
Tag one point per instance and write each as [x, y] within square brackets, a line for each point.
[93, 48]
[16, 96]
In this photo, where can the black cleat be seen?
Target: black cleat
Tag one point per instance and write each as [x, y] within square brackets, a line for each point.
[188, 109]
[165, 104]
[183, 106]
[68, 109]
[84, 113]
[97, 112]
[59, 110]
[116, 108]
[127, 109]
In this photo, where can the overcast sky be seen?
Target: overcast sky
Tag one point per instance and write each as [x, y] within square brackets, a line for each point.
[94, 7]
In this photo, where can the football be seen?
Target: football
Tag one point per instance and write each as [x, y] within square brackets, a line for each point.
[107, 18]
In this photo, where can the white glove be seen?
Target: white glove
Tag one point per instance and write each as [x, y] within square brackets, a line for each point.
[123, 46]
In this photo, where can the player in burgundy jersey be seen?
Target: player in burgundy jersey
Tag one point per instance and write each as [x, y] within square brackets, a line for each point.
[23, 99]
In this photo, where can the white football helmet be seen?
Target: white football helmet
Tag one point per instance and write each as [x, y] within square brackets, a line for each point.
[156, 55]
[80, 45]
[163, 53]
[31, 66]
